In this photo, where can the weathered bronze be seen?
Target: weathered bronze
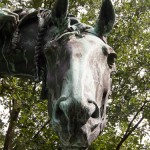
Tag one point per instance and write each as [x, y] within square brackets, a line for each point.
[72, 59]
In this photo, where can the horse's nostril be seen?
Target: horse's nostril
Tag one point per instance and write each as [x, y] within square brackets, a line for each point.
[95, 114]
[59, 110]
[67, 111]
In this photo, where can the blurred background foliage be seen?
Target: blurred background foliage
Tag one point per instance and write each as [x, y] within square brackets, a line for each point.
[129, 104]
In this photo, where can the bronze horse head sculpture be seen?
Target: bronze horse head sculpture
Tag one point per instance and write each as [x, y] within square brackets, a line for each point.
[78, 63]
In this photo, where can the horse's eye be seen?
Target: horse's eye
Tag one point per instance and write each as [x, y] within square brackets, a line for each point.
[111, 59]
[111, 56]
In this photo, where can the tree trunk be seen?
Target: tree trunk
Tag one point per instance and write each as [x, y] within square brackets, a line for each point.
[10, 132]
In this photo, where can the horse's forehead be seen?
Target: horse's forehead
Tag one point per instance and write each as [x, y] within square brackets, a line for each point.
[86, 43]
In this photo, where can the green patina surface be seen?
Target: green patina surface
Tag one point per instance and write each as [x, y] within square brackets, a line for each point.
[79, 111]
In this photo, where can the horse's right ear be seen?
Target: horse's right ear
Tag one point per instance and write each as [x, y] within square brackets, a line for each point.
[106, 18]
[59, 11]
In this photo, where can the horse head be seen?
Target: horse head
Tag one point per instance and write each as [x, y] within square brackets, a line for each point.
[79, 64]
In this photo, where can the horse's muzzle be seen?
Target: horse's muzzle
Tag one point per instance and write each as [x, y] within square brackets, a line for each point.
[73, 119]
[71, 109]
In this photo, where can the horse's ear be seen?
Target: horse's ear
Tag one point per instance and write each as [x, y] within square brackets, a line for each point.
[106, 18]
[59, 11]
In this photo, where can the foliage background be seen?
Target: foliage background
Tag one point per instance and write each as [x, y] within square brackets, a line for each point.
[128, 107]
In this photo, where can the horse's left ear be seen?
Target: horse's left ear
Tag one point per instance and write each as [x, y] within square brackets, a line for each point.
[106, 18]
[59, 11]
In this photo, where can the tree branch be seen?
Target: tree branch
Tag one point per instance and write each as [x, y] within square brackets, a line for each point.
[126, 135]
[142, 107]
[41, 129]
[129, 129]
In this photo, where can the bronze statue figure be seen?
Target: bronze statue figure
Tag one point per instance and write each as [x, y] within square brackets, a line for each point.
[72, 59]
